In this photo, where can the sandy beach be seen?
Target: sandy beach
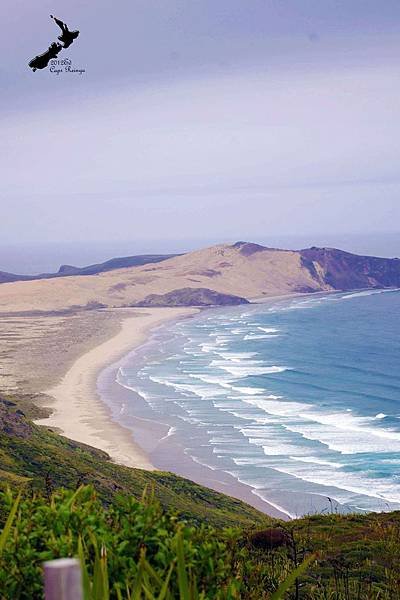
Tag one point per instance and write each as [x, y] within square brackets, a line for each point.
[79, 413]
[56, 360]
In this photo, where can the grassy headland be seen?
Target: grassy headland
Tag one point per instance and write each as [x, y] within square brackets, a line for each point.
[36, 458]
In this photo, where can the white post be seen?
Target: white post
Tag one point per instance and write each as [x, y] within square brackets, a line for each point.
[63, 579]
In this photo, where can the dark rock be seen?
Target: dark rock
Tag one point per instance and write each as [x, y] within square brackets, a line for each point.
[192, 297]
[268, 539]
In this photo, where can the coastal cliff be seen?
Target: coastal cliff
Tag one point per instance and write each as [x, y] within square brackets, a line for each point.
[345, 271]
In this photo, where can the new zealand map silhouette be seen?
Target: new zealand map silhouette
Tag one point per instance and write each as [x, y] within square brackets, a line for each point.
[67, 37]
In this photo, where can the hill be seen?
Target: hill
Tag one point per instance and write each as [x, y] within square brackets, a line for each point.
[109, 265]
[243, 270]
[192, 297]
[346, 271]
[36, 458]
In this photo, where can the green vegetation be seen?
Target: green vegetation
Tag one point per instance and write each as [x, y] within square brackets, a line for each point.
[135, 549]
[156, 536]
[133, 542]
[34, 457]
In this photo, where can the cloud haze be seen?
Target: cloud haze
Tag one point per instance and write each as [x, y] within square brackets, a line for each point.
[214, 120]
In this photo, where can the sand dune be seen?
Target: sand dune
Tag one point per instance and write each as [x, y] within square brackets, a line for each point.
[235, 270]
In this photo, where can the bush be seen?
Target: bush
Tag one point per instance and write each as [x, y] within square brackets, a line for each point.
[129, 544]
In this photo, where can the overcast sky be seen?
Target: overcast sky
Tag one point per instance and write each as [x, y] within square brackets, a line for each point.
[201, 119]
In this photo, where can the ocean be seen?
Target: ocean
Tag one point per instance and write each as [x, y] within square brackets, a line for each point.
[298, 399]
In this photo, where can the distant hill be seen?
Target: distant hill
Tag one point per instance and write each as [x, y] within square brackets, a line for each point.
[210, 276]
[109, 265]
[114, 263]
[9, 277]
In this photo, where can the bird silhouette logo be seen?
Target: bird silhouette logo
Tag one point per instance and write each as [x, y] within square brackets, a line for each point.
[66, 38]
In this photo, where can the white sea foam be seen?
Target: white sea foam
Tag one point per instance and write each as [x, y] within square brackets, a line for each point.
[239, 414]
[274, 405]
[236, 356]
[367, 293]
[268, 329]
[225, 382]
[187, 451]
[257, 490]
[351, 423]
[171, 431]
[247, 369]
[192, 352]
[317, 461]
[324, 473]
[190, 420]
[215, 380]
[142, 393]
[256, 336]
[221, 440]
[222, 340]
[250, 391]
[241, 372]
[273, 504]
[207, 348]
[197, 390]
[276, 448]
[383, 489]
[345, 433]
[216, 362]
[342, 432]
[245, 461]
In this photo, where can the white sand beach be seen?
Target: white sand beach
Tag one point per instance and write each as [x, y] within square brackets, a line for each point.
[79, 413]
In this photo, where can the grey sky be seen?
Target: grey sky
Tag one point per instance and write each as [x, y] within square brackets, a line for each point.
[211, 119]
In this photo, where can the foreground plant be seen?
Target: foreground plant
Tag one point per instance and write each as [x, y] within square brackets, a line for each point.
[134, 550]
[129, 550]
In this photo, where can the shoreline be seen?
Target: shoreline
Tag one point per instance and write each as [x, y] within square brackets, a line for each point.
[164, 449]
[77, 410]
[81, 412]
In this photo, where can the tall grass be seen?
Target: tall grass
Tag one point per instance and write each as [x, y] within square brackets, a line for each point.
[135, 551]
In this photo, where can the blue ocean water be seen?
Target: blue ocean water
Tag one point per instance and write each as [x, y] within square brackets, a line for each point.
[297, 398]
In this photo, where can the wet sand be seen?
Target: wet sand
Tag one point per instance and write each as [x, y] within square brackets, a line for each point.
[77, 410]
[165, 451]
